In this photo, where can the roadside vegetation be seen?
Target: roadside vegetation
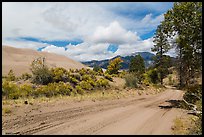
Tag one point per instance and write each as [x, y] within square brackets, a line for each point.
[52, 82]
[56, 82]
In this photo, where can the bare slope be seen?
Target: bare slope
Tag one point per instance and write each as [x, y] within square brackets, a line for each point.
[20, 59]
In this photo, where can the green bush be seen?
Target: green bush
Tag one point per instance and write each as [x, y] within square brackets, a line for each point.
[79, 89]
[41, 73]
[26, 76]
[131, 80]
[122, 74]
[82, 71]
[109, 77]
[98, 69]
[73, 81]
[102, 82]
[60, 74]
[86, 77]
[11, 76]
[76, 76]
[85, 85]
[26, 90]
[197, 128]
[54, 89]
[170, 80]
[193, 94]
[65, 88]
[10, 90]
[151, 76]
[92, 82]
[114, 66]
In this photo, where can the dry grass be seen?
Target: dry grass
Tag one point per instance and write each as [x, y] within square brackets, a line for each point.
[182, 125]
[6, 110]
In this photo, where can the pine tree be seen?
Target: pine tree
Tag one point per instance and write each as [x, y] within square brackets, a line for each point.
[184, 21]
[137, 65]
[161, 46]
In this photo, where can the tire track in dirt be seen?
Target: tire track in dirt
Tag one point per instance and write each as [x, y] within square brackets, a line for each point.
[98, 118]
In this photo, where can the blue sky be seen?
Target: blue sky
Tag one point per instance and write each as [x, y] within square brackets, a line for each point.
[82, 31]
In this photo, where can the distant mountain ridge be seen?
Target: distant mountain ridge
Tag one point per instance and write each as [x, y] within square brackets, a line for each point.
[147, 56]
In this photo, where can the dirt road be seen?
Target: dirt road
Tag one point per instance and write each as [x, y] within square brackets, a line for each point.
[145, 114]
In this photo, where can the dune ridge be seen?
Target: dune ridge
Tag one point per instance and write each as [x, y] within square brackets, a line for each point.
[19, 60]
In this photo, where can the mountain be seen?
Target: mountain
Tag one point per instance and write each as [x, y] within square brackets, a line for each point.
[147, 56]
[19, 60]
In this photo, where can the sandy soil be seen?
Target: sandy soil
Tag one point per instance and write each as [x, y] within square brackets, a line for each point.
[145, 114]
[19, 60]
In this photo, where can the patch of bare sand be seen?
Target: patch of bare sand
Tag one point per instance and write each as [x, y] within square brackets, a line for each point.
[19, 60]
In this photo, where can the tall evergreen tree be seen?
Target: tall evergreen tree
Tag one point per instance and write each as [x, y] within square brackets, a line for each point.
[137, 65]
[161, 46]
[184, 21]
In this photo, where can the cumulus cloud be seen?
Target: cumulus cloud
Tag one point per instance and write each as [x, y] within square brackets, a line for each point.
[97, 24]
[82, 52]
[98, 51]
[140, 46]
[114, 33]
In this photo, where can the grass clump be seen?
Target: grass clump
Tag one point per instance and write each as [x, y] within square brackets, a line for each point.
[6, 110]
[131, 80]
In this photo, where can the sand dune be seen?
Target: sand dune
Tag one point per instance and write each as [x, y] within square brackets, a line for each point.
[19, 60]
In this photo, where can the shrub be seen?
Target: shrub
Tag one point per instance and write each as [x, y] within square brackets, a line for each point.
[114, 66]
[193, 94]
[11, 76]
[131, 80]
[197, 128]
[60, 74]
[98, 69]
[170, 80]
[26, 90]
[26, 76]
[64, 88]
[86, 77]
[76, 76]
[41, 73]
[122, 74]
[79, 89]
[82, 71]
[109, 77]
[102, 82]
[54, 89]
[73, 81]
[10, 90]
[146, 81]
[6, 110]
[151, 76]
[85, 85]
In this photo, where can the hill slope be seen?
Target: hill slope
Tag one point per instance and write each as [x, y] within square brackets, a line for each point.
[19, 60]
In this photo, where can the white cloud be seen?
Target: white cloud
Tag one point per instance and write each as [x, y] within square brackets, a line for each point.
[24, 44]
[114, 33]
[97, 24]
[69, 20]
[98, 51]
[140, 46]
[78, 52]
